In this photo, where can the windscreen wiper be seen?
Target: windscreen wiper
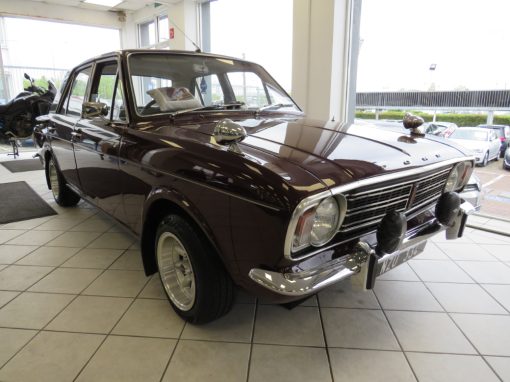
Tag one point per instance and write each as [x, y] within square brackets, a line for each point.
[275, 106]
[209, 107]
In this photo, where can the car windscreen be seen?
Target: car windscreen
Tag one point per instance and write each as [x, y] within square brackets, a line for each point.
[472, 135]
[169, 83]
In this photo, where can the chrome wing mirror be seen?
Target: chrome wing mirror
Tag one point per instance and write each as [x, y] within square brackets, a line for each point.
[413, 123]
[94, 109]
[228, 133]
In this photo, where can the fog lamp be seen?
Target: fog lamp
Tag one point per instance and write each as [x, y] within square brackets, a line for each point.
[391, 232]
[447, 208]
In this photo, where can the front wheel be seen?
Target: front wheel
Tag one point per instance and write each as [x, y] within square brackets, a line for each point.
[62, 194]
[485, 159]
[195, 281]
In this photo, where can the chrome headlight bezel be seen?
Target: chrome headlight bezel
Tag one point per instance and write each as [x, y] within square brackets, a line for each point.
[306, 219]
[458, 176]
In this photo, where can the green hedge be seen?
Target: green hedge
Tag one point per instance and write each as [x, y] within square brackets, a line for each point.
[459, 119]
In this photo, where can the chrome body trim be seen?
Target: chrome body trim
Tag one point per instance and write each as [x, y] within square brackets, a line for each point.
[307, 282]
[311, 200]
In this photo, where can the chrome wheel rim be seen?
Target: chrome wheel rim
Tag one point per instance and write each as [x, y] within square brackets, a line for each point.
[176, 271]
[55, 187]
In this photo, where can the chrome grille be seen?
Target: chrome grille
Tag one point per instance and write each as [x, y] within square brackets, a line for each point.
[366, 207]
[429, 189]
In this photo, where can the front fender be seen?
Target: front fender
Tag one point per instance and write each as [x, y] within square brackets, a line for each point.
[163, 200]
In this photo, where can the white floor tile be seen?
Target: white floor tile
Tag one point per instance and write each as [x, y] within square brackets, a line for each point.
[369, 366]
[197, 361]
[358, 328]
[51, 357]
[33, 310]
[90, 314]
[405, 295]
[129, 359]
[288, 364]
[490, 334]
[429, 332]
[236, 326]
[277, 325]
[450, 368]
[150, 318]
[465, 298]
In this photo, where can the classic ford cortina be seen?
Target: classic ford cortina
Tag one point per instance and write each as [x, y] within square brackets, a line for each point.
[226, 182]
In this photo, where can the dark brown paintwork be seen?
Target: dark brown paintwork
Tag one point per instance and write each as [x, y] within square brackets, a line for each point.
[241, 203]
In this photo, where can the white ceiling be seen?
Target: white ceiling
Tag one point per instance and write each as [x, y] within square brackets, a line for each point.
[126, 5]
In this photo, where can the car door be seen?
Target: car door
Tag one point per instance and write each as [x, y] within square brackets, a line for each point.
[62, 122]
[495, 144]
[97, 139]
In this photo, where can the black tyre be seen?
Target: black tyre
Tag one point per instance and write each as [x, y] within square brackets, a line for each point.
[485, 159]
[194, 279]
[63, 195]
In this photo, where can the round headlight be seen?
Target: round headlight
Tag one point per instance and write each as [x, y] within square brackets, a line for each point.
[455, 178]
[325, 222]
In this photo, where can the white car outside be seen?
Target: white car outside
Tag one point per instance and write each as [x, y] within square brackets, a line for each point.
[484, 143]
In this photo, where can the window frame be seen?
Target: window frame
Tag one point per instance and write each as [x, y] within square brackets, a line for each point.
[156, 20]
[118, 78]
[63, 109]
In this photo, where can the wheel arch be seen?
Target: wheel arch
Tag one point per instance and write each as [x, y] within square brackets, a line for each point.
[160, 203]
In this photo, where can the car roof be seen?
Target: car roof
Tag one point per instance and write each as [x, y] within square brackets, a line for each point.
[126, 52]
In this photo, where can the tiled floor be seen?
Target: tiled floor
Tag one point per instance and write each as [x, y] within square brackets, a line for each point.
[75, 305]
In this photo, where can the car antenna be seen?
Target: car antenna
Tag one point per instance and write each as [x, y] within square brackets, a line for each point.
[198, 49]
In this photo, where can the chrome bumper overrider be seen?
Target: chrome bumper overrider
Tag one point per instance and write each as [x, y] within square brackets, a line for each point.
[310, 281]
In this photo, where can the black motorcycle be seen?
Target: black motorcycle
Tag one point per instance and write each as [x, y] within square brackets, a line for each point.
[17, 117]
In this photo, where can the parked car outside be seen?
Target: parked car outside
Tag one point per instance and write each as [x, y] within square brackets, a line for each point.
[441, 129]
[503, 132]
[226, 182]
[484, 143]
[506, 160]
[472, 192]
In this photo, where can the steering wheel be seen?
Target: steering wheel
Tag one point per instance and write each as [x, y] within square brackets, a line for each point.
[148, 106]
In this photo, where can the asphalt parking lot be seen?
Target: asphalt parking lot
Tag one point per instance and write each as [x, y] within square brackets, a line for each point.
[496, 189]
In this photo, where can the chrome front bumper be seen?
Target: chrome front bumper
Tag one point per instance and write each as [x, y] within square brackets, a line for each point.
[307, 282]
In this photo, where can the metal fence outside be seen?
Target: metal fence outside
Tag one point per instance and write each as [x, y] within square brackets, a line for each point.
[451, 100]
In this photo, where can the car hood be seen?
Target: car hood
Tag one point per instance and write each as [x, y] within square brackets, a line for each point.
[338, 155]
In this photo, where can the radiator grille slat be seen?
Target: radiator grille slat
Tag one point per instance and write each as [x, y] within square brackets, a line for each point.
[366, 207]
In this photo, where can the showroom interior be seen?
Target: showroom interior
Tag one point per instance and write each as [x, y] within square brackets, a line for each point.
[81, 298]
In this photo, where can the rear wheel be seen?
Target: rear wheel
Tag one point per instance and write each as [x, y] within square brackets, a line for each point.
[63, 195]
[195, 281]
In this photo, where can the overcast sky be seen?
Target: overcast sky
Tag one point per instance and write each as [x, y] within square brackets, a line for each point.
[469, 40]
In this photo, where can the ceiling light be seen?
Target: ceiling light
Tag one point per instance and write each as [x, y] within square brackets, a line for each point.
[104, 3]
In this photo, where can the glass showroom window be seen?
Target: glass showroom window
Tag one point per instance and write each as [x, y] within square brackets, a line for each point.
[153, 31]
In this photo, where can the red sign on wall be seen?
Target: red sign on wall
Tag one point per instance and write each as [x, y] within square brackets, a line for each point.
[171, 33]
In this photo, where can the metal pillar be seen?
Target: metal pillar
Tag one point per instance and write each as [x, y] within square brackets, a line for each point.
[324, 59]
[490, 117]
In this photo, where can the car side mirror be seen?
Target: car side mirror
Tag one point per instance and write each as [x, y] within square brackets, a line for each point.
[228, 133]
[94, 109]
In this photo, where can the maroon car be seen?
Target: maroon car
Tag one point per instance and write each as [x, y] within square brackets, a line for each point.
[224, 180]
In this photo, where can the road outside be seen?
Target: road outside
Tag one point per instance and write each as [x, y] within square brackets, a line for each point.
[496, 189]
